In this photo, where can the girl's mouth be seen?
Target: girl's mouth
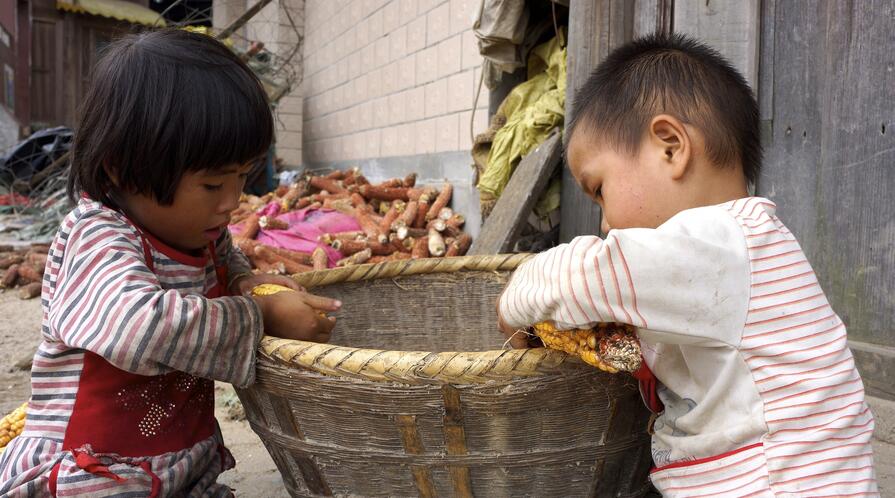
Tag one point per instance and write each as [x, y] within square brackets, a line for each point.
[213, 233]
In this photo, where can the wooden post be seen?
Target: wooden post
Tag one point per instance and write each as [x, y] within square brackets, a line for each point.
[595, 28]
[729, 26]
[653, 16]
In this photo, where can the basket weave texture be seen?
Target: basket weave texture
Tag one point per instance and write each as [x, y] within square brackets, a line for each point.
[425, 402]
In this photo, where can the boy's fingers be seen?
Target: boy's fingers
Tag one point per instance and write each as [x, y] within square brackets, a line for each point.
[516, 339]
[322, 303]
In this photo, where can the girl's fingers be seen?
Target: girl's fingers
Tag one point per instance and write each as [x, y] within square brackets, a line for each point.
[322, 303]
[288, 282]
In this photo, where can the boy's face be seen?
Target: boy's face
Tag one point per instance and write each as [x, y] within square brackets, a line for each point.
[200, 211]
[634, 191]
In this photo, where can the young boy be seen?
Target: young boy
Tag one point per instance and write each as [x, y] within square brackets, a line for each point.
[761, 395]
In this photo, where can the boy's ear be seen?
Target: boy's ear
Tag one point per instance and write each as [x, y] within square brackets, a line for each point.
[669, 137]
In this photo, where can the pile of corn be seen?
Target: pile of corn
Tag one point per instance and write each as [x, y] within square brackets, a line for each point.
[611, 347]
[23, 268]
[398, 220]
[12, 425]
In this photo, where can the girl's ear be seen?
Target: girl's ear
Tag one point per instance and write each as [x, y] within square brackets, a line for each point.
[110, 173]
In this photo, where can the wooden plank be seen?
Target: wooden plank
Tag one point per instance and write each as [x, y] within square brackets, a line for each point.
[455, 440]
[413, 445]
[730, 26]
[509, 215]
[595, 28]
[877, 366]
[828, 164]
[653, 16]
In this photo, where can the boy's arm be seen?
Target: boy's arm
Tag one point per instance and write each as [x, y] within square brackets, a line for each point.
[110, 303]
[686, 281]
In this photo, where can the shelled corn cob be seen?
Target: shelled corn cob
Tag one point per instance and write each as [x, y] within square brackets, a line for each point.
[23, 268]
[398, 219]
[611, 347]
[12, 425]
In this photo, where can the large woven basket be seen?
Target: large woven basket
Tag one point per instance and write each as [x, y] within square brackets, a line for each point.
[390, 408]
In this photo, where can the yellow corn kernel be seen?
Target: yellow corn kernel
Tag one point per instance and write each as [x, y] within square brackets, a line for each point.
[12, 425]
[269, 289]
[584, 344]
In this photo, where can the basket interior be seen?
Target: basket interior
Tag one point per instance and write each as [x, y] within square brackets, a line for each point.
[428, 312]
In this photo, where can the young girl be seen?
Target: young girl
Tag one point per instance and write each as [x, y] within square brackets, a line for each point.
[144, 296]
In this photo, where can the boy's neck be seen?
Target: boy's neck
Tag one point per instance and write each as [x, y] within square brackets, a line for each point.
[723, 184]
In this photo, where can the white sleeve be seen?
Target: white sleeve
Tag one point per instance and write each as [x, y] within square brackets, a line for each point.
[686, 282]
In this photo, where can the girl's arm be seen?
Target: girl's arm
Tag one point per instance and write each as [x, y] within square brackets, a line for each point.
[238, 264]
[686, 281]
[108, 301]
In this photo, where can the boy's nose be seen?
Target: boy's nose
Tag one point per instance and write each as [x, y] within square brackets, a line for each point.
[604, 225]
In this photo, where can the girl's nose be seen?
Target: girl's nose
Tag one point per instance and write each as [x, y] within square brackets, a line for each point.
[604, 225]
[229, 201]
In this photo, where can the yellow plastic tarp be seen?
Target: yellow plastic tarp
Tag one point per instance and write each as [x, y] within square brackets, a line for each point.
[532, 110]
[113, 9]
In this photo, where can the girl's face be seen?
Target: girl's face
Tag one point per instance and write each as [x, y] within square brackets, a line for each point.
[200, 211]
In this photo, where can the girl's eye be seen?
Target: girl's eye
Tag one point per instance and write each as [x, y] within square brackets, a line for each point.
[212, 188]
[598, 193]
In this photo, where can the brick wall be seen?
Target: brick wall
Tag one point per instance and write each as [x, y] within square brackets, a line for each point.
[272, 27]
[389, 78]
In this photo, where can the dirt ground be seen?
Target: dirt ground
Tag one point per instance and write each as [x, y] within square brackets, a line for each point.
[255, 473]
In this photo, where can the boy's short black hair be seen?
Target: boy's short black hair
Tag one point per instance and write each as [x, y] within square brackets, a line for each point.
[162, 103]
[680, 76]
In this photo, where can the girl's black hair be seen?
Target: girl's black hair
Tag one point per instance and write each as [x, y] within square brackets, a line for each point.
[162, 103]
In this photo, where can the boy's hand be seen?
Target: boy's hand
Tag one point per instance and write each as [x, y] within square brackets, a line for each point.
[243, 285]
[515, 339]
[298, 315]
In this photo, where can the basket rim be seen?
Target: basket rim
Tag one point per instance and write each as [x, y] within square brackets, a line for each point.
[469, 367]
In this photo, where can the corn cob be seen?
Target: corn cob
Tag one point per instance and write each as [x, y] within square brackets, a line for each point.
[331, 185]
[611, 347]
[409, 180]
[440, 202]
[12, 425]
[269, 289]
[271, 223]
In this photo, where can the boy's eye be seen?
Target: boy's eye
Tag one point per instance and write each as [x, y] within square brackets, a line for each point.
[212, 188]
[598, 192]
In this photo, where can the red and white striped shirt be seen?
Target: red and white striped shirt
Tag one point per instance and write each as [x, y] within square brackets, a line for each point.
[761, 394]
[100, 296]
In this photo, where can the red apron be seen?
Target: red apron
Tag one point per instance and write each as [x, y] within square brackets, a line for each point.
[133, 415]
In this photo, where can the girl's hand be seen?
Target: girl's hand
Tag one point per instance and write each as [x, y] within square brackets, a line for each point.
[243, 285]
[298, 315]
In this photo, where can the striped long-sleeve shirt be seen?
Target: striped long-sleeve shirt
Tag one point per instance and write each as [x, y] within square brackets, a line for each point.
[760, 389]
[101, 297]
